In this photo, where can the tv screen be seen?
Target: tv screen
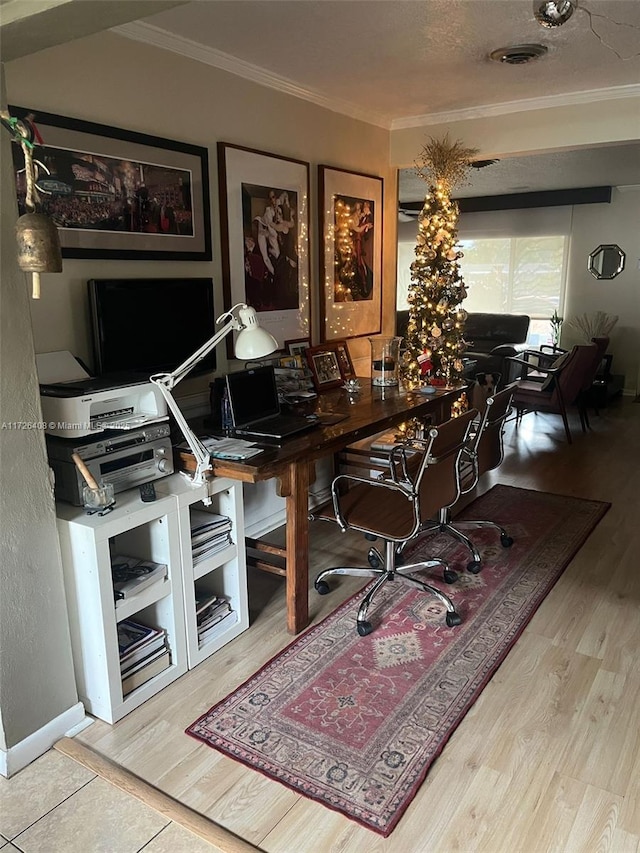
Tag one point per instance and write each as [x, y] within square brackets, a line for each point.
[150, 325]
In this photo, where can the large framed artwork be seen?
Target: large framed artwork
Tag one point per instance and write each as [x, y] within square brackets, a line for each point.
[350, 253]
[118, 194]
[264, 217]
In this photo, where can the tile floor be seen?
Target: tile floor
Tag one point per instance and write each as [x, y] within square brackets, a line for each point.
[56, 805]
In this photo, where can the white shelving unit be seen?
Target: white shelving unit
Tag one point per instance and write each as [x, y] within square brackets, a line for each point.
[146, 530]
[224, 573]
[158, 531]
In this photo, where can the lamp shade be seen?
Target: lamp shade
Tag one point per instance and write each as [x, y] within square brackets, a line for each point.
[253, 341]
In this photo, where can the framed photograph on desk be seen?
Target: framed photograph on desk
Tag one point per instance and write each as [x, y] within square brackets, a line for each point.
[325, 367]
[350, 219]
[264, 217]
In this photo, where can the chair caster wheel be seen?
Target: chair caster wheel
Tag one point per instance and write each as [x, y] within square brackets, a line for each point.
[373, 560]
[450, 576]
[370, 537]
[474, 567]
[453, 619]
[365, 628]
[506, 541]
[322, 587]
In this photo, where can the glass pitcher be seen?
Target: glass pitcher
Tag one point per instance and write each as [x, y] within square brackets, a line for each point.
[385, 360]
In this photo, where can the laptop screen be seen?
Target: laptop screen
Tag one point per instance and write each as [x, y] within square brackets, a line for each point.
[253, 395]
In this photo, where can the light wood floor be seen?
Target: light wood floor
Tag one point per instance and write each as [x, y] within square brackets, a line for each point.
[548, 759]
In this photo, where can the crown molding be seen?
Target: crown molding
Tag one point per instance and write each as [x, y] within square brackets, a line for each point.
[158, 37]
[161, 38]
[492, 110]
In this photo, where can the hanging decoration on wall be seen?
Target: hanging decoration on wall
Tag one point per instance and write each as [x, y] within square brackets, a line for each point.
[434, 338]
[37, 237]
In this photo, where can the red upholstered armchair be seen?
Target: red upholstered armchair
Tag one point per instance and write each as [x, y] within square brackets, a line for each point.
[554, 387]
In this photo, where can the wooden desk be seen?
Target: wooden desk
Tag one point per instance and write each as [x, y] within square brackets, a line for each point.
[373, 410]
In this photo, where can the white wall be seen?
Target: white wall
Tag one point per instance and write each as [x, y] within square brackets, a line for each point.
[112, 80]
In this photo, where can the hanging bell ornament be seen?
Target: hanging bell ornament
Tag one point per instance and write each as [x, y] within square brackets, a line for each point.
[38, 247]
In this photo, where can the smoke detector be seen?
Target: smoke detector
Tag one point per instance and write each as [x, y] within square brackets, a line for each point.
[518, 54]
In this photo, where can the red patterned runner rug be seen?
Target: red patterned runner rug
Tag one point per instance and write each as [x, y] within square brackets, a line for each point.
[355, 722]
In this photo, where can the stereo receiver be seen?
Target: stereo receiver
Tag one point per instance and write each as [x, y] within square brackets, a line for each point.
[126, 459]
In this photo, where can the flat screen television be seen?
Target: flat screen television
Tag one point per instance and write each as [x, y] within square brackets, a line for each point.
[150, 325]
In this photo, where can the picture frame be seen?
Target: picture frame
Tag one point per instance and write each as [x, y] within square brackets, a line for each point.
[350, 221]
[344, 358]
[118, 194]
[325, 367]
[264, 219]
[298, 346]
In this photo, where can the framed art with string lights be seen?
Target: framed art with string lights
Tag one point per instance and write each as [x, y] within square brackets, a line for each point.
[264, 218]
[118, 194]
[350, 219]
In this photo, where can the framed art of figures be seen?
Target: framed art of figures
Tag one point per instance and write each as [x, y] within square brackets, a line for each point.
[325, 367]
[118, 194]
[350, 253]
[264, 216]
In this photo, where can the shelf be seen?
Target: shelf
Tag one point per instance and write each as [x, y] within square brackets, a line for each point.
[127, 607]
[210, 564]
[159, 531]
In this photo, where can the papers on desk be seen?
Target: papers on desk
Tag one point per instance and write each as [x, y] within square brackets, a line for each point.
[230, 448]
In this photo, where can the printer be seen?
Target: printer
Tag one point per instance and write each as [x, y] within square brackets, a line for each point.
[75, 404]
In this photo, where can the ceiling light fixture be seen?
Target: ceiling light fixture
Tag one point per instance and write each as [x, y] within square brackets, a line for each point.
[518, 54]
[553, 13]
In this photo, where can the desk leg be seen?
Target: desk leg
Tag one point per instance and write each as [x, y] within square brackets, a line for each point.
[298, 548]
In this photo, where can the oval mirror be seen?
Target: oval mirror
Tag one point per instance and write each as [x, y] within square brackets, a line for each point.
[606, 261]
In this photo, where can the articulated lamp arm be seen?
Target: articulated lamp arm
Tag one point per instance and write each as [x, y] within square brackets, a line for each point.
[252, 342]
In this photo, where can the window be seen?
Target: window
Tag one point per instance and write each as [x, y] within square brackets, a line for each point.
[513, 261]
[517, 275]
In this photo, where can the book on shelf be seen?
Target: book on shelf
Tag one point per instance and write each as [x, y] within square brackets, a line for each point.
[204, 551]
[131, 575]
[204, 523]
[213, 628]
[132, 666]
[146, 673]
[210, 611]
[136, 641]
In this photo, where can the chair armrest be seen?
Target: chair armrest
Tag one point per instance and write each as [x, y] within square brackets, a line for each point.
[508, 349]
[553, 349]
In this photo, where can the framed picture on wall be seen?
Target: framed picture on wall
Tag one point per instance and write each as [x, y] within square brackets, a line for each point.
[350, 220]
[117, 194]
[264, 217]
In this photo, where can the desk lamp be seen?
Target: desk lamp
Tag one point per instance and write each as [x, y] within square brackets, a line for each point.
[252, 342]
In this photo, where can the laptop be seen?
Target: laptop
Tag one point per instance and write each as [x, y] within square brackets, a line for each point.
[255, 408]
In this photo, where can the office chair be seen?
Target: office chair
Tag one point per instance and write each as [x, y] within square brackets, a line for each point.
[421, 476]
[484, 453]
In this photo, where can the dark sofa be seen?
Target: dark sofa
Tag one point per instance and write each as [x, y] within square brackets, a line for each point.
[491, 339]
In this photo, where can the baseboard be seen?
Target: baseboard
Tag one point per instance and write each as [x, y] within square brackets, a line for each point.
[19, 756]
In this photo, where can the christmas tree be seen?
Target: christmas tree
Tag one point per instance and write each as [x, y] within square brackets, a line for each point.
[434, 339]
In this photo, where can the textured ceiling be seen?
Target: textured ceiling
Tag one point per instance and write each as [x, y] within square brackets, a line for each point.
[403, 58]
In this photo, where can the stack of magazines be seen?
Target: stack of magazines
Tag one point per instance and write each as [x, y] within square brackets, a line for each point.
[209, 533]
[131, 575]
[144, 653]
[210, 611]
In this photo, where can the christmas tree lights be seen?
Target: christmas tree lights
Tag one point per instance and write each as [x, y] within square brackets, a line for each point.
[435, 331]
